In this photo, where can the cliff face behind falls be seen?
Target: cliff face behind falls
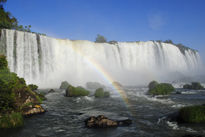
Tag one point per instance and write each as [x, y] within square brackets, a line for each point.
[47, 61]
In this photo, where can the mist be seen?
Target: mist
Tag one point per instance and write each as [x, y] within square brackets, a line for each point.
[47, 61]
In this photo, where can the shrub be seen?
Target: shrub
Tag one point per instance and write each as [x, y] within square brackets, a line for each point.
[12, 120]
[152, 84]
[3, 63]
[76, 91]
[192, 114]
[33, 87]
[100, 93]
[64, 85]
[162, 89]
[8, 83]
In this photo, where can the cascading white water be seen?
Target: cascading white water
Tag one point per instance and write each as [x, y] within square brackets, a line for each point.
[48, 61]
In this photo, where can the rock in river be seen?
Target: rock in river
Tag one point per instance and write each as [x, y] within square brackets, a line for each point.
[103, 122]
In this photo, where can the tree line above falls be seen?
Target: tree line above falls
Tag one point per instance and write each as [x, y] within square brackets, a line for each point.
[182, 48]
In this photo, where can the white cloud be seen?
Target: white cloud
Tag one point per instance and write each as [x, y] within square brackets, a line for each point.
[156, 21]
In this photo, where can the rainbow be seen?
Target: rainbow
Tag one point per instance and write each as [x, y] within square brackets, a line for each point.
[103, 73]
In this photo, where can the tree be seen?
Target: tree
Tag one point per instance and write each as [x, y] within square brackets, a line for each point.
[7, 21]
[168, 41]
[100, 39]
[3, 1]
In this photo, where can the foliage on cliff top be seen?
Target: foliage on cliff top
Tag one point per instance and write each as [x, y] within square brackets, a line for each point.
[100, 39]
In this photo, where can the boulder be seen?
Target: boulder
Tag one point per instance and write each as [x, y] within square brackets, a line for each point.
[51, 91]
[72, 91]
[100, 93]
[194, 86]
[189, 114]
[152, 84]
[64, 85]
[192, 114]
[160, 89]
[103, 122]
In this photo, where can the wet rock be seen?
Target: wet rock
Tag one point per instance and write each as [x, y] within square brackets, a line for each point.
[103, 122]
[32, 110]
[125, 122]
[178, 92]
[192, 135]
[51, 91]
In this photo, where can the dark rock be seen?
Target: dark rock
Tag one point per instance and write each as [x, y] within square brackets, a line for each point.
[51, 91]
[178, 92]
[103, 122]
[125, 122]
[192, 135]
[173, 116]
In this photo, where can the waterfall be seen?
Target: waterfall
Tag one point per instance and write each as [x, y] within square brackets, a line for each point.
[47, 61]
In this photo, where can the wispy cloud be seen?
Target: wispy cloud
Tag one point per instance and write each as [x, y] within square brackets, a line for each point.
[156, 21]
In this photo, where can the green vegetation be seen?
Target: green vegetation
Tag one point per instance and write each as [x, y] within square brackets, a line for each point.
[76, 91]
[160, 89]
[33, 87]
[152, 84]
[192, 114]
[64, 85]
[3, 63]
[14, 94]
[100, 39]
[7, 21]
[100, 93]
[12, 120]
[194, 85]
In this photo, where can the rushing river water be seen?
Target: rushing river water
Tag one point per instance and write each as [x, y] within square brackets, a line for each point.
[66, 115]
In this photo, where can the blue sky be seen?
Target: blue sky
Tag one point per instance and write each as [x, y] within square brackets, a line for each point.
[182, 21]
